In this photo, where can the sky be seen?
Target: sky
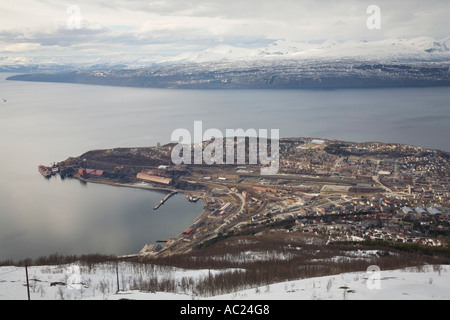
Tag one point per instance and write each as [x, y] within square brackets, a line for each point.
[156, 28]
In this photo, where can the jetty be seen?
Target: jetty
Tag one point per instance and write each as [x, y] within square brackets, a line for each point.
[164, 200]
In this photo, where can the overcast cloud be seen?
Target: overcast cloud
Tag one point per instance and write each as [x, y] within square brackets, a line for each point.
[168, 28]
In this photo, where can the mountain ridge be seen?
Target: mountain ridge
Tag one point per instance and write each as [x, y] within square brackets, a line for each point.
[424, 49]
[259, 74]
[417, 62]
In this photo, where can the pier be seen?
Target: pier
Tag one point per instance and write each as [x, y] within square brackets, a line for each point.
[164, 200]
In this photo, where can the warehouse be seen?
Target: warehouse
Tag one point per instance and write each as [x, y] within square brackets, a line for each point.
[155, 179]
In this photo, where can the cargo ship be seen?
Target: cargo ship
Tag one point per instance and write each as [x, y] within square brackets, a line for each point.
[45, 171]
[192, 198]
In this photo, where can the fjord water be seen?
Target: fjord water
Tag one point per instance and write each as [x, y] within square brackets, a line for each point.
[41, 123]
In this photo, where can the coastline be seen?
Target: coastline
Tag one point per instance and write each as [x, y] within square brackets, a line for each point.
[145, 186]
[333, 180]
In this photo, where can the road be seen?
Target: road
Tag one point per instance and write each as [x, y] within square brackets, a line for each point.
[377, 181]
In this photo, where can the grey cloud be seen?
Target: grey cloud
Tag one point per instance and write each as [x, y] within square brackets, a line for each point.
[252, 23]
[61, 36]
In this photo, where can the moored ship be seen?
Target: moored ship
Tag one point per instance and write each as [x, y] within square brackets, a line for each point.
[192, 198]
[45, 171]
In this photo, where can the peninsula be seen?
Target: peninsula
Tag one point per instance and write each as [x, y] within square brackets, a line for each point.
[344, 190]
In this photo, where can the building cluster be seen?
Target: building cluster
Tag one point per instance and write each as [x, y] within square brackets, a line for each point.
[191, 230]
[419, 173]
[396, 193]
[376, 217]
[426, 178]
[343, 190]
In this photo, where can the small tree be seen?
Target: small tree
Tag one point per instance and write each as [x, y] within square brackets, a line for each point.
[60, 292]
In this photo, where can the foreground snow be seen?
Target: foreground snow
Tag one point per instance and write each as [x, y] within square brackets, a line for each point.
[393, 285]
[73, 283]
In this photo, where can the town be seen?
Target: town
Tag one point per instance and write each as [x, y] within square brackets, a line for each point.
[344, 191]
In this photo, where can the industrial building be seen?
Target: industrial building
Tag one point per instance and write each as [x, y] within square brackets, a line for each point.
[154, 178]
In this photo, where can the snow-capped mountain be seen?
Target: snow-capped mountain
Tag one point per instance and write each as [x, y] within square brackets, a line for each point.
[427, 44]
[383, 51]
[217, 53]
[282, 64]
[417, 49]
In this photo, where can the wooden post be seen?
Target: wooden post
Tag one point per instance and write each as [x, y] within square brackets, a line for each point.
[28, 284]
[117, 274]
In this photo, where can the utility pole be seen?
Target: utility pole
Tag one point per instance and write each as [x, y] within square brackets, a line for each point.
[28, 284]
[117, 275]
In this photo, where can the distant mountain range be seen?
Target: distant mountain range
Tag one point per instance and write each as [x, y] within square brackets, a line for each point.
[417, 49]
[281, 64]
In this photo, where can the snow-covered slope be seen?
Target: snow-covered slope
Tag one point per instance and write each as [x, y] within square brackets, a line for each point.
[407, 284]
[417, 49]
[217, 53]
[388, 50]
[73, 282]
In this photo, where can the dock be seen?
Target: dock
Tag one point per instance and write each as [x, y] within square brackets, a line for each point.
[164, 200]
[163, 241]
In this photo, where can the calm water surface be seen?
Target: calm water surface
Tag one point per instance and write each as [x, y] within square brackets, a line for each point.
[46, 122]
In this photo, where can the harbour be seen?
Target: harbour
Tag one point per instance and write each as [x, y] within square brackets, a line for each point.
[71, 217]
